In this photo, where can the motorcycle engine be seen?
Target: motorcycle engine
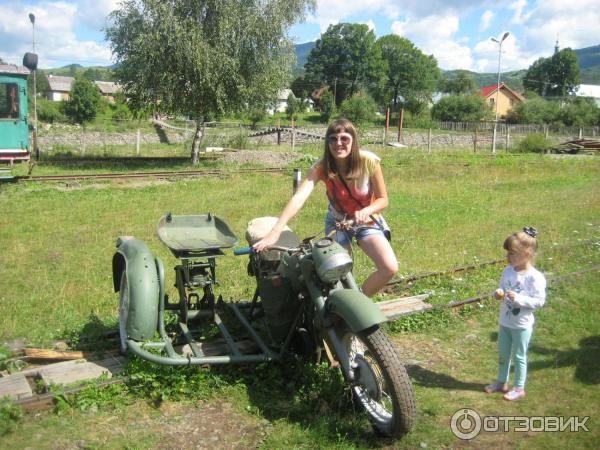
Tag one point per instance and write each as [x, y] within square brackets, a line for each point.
[331, 260]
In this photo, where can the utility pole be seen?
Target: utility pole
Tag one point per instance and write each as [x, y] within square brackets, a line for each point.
[35, 143]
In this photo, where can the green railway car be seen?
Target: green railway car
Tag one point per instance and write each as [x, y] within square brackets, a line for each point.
[14, 124]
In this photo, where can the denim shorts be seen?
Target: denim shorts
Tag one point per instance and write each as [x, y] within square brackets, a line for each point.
[345, 237]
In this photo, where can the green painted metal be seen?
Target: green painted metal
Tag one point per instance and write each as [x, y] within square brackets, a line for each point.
[138, 349]
[14, 127]
[355, 308]
[136, 261]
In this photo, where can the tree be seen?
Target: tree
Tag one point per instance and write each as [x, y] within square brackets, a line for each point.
[360, 108]
[557, 76]
[345, 58]
[460, 108]
[409, 76]
[327, 103]
[84, 103]
[203, 58]
[461, 83]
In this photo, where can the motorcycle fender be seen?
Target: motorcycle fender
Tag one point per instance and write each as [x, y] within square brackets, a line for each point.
[357, 310]
[134, 259]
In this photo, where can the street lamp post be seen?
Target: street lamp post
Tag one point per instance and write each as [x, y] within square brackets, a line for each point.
[35, 146]
[499, 42]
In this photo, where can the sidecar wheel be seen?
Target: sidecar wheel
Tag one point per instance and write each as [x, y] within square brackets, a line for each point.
[383, 387]
[123, 313]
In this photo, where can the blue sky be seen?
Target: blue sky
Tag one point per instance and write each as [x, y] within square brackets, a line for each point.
[456, 32]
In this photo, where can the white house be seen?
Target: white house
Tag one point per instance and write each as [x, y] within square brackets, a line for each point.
[589, 90]
[281, 102]
[60, 87]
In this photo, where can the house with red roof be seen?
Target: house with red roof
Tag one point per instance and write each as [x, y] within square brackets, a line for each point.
[506, 97]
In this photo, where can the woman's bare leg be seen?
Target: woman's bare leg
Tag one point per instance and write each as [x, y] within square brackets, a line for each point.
[379, 250]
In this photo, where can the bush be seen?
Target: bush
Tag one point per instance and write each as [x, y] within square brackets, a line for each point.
[50, 112]
[85, 101]
[533, 143]
[360, 109]
[460, 108]
[327, 106]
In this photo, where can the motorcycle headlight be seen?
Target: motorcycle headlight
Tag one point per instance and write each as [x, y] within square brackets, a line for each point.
[332, 261]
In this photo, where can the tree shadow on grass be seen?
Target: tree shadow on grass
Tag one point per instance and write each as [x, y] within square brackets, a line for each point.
[428, 378]
[586, 358]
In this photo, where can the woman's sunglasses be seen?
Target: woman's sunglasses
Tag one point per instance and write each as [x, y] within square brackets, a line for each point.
[344, 138]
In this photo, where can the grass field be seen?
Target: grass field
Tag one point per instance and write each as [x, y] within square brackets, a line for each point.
[446, 210]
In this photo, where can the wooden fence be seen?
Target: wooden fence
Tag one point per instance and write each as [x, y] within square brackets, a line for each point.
[503, 128]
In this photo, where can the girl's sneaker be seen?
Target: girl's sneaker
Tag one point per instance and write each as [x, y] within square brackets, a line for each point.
[514, 394]
[496, 387]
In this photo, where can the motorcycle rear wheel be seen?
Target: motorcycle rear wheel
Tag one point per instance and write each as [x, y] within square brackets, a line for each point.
[383, 387]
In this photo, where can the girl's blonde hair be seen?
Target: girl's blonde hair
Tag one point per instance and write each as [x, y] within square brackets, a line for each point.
[328, 162]
[520, 241]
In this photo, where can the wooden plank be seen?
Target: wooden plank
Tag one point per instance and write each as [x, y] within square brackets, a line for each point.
[404, 306]
[42, 353]
[15, 386]
[80, 370]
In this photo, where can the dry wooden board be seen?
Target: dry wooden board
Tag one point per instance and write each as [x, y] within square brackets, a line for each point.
[404, 306]
[73, 371]
[15, 386]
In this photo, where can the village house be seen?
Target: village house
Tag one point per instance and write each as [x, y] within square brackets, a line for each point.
[60, 88]
[590, 91]
[507, 98]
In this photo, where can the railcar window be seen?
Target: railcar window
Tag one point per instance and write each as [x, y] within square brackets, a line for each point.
[9, 101]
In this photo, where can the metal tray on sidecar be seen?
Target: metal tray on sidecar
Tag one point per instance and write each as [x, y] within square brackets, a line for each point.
[193, 236]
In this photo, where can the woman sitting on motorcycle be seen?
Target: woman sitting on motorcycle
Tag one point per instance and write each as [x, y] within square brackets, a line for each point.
[356, 190]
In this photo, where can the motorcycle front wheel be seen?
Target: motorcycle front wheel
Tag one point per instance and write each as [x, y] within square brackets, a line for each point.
[381, 385]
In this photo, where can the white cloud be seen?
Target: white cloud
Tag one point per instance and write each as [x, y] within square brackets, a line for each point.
[56, 40]
[486, 19]
[573, 23]
[518, 6]
[442, 44]
[513, 57]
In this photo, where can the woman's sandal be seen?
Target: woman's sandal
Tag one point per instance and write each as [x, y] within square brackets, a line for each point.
[495, 387]
[513, 394]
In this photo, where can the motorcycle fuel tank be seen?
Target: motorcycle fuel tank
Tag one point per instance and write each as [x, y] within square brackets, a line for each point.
[332, 261]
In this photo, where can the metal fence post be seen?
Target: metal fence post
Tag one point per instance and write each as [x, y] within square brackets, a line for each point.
[137, 143]
[297, 179]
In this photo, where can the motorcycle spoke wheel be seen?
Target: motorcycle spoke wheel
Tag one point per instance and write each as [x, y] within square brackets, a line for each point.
[382, 386]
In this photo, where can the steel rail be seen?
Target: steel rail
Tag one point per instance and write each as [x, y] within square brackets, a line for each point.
[162, 174]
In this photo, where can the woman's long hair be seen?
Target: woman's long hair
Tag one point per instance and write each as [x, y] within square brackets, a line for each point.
[330, 168]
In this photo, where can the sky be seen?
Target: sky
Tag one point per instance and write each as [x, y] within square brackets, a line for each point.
[456, 32]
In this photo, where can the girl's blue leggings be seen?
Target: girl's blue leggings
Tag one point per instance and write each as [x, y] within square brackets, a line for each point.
[513, 342]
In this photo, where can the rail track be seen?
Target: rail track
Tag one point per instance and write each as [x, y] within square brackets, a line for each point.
[160, 174]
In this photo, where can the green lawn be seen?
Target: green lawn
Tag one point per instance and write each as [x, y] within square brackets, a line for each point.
[446, 210]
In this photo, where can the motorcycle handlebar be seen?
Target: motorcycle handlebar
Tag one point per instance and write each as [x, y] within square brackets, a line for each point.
[242, 251]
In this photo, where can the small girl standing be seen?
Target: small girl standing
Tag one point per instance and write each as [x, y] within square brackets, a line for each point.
[522, 290]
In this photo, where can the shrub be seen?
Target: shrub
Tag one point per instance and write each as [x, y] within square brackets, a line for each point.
[327, 106]
[533, 143]
[360, 109]
[85, 101]
[50, 112]
[460, 108]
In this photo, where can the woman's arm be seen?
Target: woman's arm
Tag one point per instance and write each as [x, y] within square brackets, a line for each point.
[290, 210]
[381, 198]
